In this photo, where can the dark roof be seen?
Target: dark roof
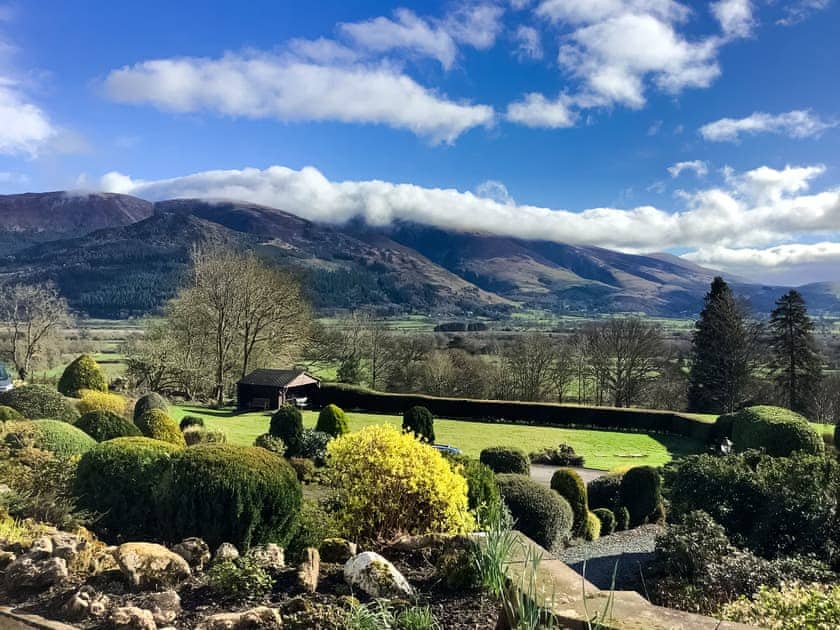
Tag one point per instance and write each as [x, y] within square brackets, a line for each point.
[272, 378]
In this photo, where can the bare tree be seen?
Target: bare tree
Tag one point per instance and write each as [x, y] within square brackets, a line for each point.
[526, 368]
[32, 317]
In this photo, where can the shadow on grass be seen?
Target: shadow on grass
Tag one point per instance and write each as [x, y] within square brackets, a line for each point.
[224, 412]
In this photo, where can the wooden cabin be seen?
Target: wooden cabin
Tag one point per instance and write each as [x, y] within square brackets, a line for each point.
[269, 389]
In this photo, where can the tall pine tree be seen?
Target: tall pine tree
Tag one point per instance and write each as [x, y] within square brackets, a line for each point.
[796, 364]
[723, 353]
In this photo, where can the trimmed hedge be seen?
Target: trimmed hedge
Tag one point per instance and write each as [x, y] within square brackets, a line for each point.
[419, 421]
[243, 495]
[641, 494]
[549, 414]
[58, 437]
[200, 435]
[591, 527]
[569, 485]
[82, 373]
[607, 519]
[105, 425]
[190, 421]
[39, 401]
[148, 402]
[332, 421]
[777, 430]
[287, 424]
[542, 515]
[7, 413]
[120, 480]
[622, 519]
[504, 460]
[157, 425]
[604, 492]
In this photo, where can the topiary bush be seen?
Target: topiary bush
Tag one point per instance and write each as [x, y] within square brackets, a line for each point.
[105, 425]
[622, 519]
[592, 527]
[148, 402]
[313, 445]
[101, 401]
[7, 413]
[190, 421]
[121, 481]
[777, 430]
[82, 373]
[607, 519]
[287, 424]
[201, 435]
[39, 401]
[506, 460]
[155, 424]
[563, 455]
[604, 492]
[641, 493]
[243, 495]
[59, 438]
[482, 488]
[270, 443]
[332, 421]
[538, 512]
[419, 421]
[569, 485]
[389, 483]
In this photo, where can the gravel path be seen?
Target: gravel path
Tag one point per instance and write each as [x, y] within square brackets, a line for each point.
[632, 549]
[541, 473]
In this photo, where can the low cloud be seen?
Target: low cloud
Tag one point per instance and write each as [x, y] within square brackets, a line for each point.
[795, 124]
[24, 127]
[528, 42]
[535, 110]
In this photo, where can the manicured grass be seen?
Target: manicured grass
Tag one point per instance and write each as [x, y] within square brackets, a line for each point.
[604, 450]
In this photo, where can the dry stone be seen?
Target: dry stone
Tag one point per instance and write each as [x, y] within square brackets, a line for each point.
[226, 553]
[195, 551]
[132, 618]
[375, 576]
[308, 570]
[149, 566]
[337, 550]
[260, 618]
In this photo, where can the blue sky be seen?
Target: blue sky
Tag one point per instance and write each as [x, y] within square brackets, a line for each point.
[544, 118]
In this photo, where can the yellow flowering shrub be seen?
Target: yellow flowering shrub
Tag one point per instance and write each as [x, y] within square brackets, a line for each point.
[791, 607]
[101, 401]
[391, 484]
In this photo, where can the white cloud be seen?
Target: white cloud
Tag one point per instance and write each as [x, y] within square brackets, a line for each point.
[699, 167]
[529, 44]
[24, 127]
[749, 259]
[265, 86]
[476, 25]
[801, 123]
[735, 17]
[797, 10]
[534, 110]
[757, 208]
[494, 190]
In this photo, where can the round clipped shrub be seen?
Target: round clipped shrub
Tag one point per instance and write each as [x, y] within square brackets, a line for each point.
[82, 373]
[538, 512]
[332, 421]
[7, 413]
[238, 494]
[482, 488]
[201, 435]
[592, 527]
[92, 400]
[641, 494]
[105, 425]
[569, 485]
[159, 426]
[39, 401]
[147, 402]
[603, 492]
[287, 424]
[419, 421]
[120, 480]
[607, 519]
[622, 519]
[59, 438]
[190, 421]
[504, 460]
[390, 483]
[777, 430]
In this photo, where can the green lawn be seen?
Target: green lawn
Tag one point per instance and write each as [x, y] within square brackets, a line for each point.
[604, 450]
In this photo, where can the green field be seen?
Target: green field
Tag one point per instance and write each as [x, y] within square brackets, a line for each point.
[604, 450]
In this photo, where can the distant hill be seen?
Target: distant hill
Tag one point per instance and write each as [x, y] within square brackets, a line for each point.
[117, 256]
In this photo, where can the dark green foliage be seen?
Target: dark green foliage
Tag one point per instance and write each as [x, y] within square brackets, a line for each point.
[121, 480]
[59, 438]
[190, 421]
[287, 424]
[796, 363]
[237, 580]
[641, 493]
[157, 425]
[147, 403]
[482, 488]
[39, 401]
[607, 519]
[419, 421]
[622, 519]
[332, 421]
[304, 469]
[315, 526]
[106, 425]
[569, 485]
[723, 353]
[504, 459]
[7, 413]
[82, 373]
[457, 570]
[199, 435]
[350, 371]
[313, 445]
[778, 431]
[837, 437]
[563, 455]
[539, 513]
[270, 443]
[604, 492]
[238, 494]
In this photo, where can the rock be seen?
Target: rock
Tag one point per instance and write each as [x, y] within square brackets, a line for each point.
[269, 557]
[26, 574]
[165, 606]
[6, 558]
[308, 570]
[337, 550]
[433, 541]
[86, 601]
[375, 576]
[132, 618]
[226, 553]
[67, 546]
[42, 547]
[147, 565]
[195, 551]
[260, 618]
